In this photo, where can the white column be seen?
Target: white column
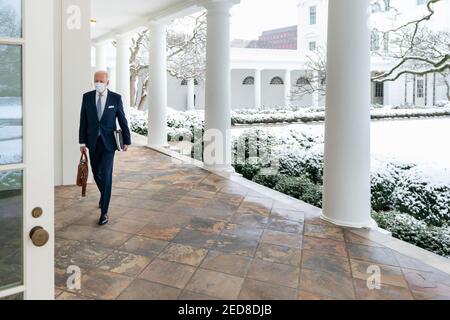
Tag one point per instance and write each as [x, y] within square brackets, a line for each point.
[191, 94]
[346, 199]
[258, 97]
[287, 88]
[123, 71]
[217, 153]
[100, 57]
[157, 92]
[387, 91]
[73, 78]
[112, 78]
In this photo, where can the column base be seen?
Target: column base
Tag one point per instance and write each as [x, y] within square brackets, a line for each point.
[158, 146]
[371, 224]
[222, 169]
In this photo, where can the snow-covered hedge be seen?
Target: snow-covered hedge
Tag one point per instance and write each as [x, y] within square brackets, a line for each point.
[305, 115]
[419, 200]
[409, 189]
[416, 232]
[181, 125]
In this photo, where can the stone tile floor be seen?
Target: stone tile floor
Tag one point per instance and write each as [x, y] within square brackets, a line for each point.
[179, 232]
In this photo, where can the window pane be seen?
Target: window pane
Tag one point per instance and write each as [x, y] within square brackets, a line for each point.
[10, 104]
[11, 265]
[10, 18]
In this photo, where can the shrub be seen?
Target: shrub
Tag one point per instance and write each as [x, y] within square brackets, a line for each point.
[182, 126]
[382, 192]
[267, 180]
[303, 114]
[411, 230]
[423, 201]
[383, 185]
[299, 162]
[257, 144]
[300, 188]
[249, 169]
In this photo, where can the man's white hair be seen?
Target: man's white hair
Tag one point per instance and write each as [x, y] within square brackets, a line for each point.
[102, 72]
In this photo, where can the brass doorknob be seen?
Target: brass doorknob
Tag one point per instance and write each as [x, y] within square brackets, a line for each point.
[39, 236]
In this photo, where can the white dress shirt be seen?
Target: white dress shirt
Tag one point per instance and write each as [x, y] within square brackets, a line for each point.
[103, 102]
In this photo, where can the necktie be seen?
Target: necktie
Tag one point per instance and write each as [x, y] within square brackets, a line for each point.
[99, 106]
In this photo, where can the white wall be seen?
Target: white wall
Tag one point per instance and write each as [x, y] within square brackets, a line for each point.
[177, 94]
[73, 78]
[394, 92]
[272, 95]
[308, 32]
[242, 96]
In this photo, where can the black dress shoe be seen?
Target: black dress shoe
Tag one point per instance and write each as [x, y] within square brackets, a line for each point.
[103, 220]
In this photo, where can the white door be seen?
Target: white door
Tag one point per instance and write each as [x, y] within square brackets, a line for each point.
[26, 149]
[420, 91]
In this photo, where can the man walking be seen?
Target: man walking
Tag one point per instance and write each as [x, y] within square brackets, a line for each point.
[99, 112]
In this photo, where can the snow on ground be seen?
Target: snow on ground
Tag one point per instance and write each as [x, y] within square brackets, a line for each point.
[423, 141]
[10, 150]
[10, 108]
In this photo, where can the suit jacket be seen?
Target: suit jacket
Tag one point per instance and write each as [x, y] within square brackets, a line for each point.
[90, 125]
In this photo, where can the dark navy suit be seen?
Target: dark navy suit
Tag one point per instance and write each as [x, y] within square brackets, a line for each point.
[98, 136]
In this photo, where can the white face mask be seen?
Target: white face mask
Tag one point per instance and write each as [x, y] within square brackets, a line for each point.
[100, 87]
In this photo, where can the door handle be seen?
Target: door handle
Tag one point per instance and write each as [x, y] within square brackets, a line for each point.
[39, 236]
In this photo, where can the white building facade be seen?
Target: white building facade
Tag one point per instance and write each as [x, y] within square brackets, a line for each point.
[266, 78]
[52, 72]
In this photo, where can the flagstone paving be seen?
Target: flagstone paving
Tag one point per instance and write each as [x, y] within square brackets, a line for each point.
[179, 232]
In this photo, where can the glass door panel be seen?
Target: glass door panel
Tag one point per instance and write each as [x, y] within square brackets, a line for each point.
[11, 226]
[10, 104]
[10, 18]
[11, 151]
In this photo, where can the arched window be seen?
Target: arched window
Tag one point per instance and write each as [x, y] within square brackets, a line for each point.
[248, 81]
[303, 81]
[185, 82]
[277, 81]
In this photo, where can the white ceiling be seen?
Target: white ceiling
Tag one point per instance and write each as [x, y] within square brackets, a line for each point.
[118, 14]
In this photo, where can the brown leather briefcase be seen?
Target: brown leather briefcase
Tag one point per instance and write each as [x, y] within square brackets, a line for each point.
[83, 173]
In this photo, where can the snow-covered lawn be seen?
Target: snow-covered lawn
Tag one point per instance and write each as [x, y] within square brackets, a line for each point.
[422, 141]
[10, 135]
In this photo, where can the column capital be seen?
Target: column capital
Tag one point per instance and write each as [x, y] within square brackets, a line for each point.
[101, 44]
[123, 36]
[218, 5]
[157, 24]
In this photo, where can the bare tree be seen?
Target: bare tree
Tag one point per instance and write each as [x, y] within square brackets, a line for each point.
[313, 80]
[187, 50]
[186, 55]
[413, 49]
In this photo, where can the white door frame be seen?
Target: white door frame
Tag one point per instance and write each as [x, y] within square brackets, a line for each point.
[38, 144]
